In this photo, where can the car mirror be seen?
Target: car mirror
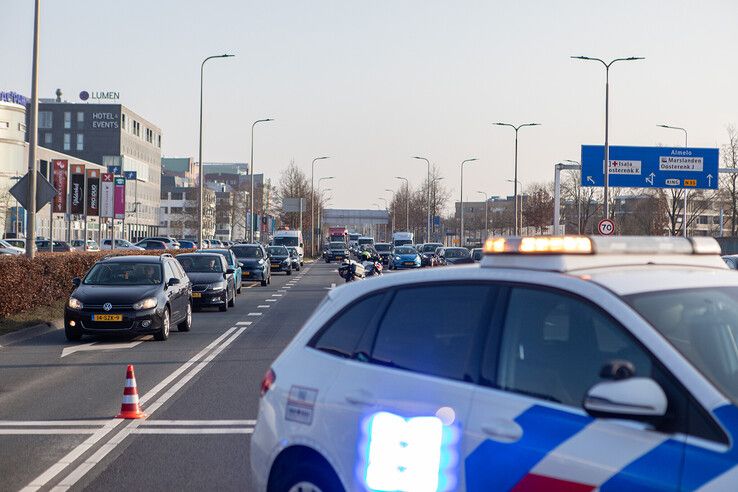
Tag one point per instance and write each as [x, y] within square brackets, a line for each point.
[230, 271]
[634, 398]
[76, 281]
[240, 264]
[173, 281]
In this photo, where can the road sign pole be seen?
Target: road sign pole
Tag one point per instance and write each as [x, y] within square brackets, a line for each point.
[607, 143]
[33, 138]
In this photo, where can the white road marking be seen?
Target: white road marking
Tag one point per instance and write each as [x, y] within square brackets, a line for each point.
[106, 448]
[270, 300]
[262, 306]
[75, 453]
[277, 295]
[242, 323]
[254, 314]
[86, 347]
[26, 432]
[212, 430]
[51, 423]
[195, 423]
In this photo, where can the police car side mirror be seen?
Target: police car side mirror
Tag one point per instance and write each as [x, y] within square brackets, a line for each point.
[640, 399]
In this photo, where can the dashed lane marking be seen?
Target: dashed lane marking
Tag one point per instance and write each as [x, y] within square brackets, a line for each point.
[254, 314]
[243, 323]
[262, 306]
[270, 300]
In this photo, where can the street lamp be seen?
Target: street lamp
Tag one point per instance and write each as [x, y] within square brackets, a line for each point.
[407, 202]
[427, 230]
[607, 119]
[515, 189]
[200, 166]
[518, 210]
[312, 203]
[461, 238]
[251, 167]
[684, 219]
[33, 141]
[486, 214]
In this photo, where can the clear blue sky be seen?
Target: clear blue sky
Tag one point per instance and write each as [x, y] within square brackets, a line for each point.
[373, 83]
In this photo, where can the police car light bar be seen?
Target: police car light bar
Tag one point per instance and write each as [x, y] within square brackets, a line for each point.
[583, 245]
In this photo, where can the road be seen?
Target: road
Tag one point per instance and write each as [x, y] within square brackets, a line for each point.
[200, 390]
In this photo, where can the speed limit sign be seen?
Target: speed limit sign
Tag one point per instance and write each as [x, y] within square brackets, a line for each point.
[606, 227]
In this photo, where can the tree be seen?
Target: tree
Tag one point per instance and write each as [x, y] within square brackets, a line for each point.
[538, 206]
[581, 204]
[729, 181]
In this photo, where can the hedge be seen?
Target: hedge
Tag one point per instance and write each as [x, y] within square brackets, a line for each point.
[26, 283]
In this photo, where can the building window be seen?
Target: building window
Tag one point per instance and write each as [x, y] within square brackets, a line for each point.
[80, 141]
[22, 127]
[80, 119]
[47, 138]
[158, 141]
[44, 119]
[67, 119]
[67, 141]
[123, 121]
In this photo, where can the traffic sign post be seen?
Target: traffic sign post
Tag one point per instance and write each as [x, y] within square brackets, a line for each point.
[606, 227]
[651, 167]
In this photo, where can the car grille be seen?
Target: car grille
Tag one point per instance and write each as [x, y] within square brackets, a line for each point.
[107, 325]
[199, 288]
[116, 307]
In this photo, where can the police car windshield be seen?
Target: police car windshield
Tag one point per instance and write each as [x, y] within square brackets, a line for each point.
[702, 324]
[124, 273]
[406, 250]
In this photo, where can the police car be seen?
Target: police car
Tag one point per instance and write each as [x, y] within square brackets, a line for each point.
[559, 363]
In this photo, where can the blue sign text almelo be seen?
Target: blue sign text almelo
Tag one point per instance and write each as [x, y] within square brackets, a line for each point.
[651, 167]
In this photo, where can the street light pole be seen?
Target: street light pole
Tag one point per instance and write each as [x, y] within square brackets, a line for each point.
[684, 218]
[251, 168]
[516, 183]
[427, 230]
[200, 172]
[433, 201]
[312, 204]
[515, 188]
[33, 140]
[486, 214]
[606, 162]
[319, 180]
[407, 202]
[461, 238]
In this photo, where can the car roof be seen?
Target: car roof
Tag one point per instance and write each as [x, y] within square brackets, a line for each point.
[133, 259]
[202, 253]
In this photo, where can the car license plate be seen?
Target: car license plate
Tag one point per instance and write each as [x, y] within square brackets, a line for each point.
[107, 317]
[196, 295]
[275, 264]
[246, 274]
[409, 263]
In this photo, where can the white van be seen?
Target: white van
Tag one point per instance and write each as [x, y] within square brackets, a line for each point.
[402, 238]
[290, 238]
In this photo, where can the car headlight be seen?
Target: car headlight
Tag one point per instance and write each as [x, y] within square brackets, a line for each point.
[261, 262]
[217, 287]
[148, 303]
[397, 258]
[75, 303]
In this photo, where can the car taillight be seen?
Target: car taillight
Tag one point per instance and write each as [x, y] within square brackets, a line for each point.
[268, 381]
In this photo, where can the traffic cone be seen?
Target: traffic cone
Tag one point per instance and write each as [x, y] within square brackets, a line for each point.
[130, 409]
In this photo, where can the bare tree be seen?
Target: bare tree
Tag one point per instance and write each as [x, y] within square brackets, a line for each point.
[729, 181]
[581, 204]
[538, 208]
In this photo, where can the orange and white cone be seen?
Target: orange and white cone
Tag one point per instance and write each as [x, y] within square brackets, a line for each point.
[130, 408]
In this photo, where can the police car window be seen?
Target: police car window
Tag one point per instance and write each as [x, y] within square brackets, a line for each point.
[341, 336]
[554, 346]
[433, 329]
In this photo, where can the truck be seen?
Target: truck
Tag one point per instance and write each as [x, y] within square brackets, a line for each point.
[338, 234]
[290, 238]
[402, 238]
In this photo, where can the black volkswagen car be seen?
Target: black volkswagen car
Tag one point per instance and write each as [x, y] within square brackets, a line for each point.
[213, 284]
[255, 263]
[279, 259]
[454, 256]
[130, 294]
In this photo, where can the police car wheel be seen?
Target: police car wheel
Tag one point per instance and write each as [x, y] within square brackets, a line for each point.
[309, 476]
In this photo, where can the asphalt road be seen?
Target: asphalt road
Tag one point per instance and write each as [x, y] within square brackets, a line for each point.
[200, 389]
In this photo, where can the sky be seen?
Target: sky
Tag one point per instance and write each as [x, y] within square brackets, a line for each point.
[373, 83]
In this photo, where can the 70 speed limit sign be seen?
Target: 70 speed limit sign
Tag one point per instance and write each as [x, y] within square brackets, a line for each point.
[606, 227]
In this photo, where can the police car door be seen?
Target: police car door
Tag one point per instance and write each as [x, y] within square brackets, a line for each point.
[527, 428]
[401, 402]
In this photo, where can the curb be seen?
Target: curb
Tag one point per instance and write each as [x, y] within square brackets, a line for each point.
[31, 332]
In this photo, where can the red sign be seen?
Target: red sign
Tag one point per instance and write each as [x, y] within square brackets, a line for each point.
[119, 202]
[93, 192]
[59, 181]
[606, 227]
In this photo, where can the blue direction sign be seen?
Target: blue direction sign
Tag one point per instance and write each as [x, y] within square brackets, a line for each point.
[651, 167]
[115, 170]
[129, 174]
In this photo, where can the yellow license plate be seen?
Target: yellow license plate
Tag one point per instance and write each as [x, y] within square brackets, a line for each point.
[246, 274]
[107, 317]
[196, 295]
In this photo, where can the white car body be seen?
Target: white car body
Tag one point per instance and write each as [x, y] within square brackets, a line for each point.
[119, 244]
[325, 409]
[290, 238]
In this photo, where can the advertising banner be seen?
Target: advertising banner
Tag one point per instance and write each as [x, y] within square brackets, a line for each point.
[119, 202]
[77, 190]
[93, 192]
[59, 180]
[106, 195]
